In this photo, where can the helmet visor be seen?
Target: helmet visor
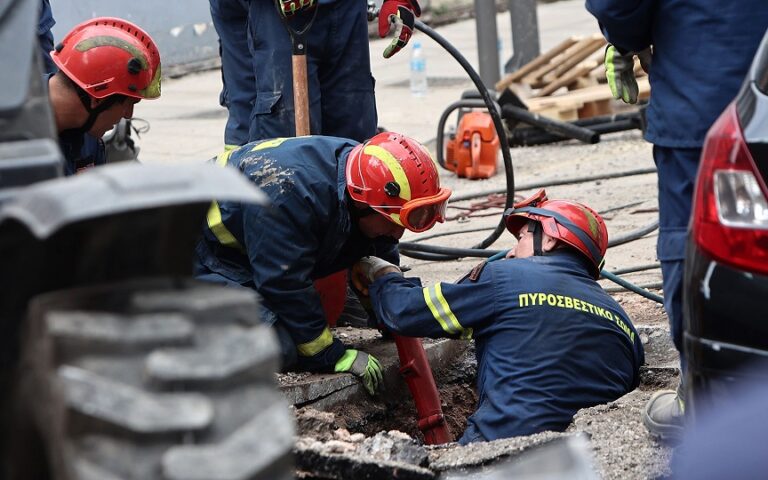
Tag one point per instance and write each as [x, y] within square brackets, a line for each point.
[422, 214]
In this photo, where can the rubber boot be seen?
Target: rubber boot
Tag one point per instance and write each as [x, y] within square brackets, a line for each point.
[664, 414]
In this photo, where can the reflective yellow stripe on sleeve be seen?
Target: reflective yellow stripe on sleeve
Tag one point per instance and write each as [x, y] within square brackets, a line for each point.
[440, 309]
[317, 345]
[219, 230]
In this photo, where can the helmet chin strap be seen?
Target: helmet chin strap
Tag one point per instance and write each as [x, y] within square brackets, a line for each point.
[357, 213]
[93, 113]
[537, 238]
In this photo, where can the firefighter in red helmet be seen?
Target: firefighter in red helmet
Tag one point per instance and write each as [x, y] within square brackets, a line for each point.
[333, 201]
[548, 339]
[105, 67]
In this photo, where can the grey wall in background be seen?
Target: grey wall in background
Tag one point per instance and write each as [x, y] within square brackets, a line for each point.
[182, 28]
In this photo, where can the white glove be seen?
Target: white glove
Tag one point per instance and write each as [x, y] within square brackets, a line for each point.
[364, 271]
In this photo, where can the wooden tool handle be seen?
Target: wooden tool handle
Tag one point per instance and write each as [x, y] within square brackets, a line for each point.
[300, 94]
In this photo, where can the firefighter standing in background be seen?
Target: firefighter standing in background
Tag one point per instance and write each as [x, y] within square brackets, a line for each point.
[697, 53]
[258, 90]
[549, 340]
[333, 201]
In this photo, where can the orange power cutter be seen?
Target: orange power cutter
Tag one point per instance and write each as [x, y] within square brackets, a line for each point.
[473, 151]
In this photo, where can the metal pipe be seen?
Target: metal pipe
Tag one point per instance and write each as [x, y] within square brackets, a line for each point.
[534, 136]
[553, 126]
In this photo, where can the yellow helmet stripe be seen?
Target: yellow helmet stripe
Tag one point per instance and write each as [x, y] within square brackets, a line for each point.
[110, 41]
[394, 166]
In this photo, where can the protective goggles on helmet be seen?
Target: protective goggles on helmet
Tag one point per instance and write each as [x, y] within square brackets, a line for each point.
[420, 214]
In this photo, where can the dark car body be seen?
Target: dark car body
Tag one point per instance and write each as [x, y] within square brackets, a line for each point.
[726, 273]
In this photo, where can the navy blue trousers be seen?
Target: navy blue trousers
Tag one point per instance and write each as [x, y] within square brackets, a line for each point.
[677, 169]
[341, 87]
[230, 18]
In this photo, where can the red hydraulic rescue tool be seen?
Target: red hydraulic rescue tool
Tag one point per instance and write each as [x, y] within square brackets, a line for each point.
[414, 366]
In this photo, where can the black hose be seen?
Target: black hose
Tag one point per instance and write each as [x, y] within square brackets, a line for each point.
[639, 268]
[632, 287]
[552, 183]
[497, 123]
[433, 252]
[634, 234]
[424, 238]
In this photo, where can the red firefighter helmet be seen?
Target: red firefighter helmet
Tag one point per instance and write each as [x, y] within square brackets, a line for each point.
[108, 56]
[396, 177]
[570, 222]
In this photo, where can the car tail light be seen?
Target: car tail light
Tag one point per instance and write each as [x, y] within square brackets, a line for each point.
[730, 211]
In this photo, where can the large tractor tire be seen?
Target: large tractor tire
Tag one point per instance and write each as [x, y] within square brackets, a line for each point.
[170, 380]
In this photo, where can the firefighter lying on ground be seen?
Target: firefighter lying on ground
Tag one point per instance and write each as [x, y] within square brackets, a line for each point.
[333, 201]
[549, 341]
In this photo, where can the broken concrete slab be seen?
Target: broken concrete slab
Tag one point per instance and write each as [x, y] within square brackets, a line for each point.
[454, 457]
[396, 446]
[622, 446]
[325, 460]
[324, 391]
[568, 456]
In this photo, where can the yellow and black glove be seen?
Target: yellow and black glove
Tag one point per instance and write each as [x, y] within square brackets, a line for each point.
[620, 73]
[366, 367]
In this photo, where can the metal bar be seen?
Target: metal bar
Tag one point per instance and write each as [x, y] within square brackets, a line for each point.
[487, 42]
[525, 33]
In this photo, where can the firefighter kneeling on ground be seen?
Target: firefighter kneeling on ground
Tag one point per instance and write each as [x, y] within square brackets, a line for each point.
[333, 201]
[549, 340]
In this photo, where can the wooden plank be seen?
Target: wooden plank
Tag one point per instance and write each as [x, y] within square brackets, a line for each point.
[576, 98]
[569, 78]
[534, 64]
[593, 109]
[597, 42]
[534, 78]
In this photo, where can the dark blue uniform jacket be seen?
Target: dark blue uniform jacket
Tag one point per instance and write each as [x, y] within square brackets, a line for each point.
[702, 50]
[305, 234]
[548, 339]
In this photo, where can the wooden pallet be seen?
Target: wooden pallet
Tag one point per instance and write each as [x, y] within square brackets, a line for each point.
[582, 102]
[568, 81]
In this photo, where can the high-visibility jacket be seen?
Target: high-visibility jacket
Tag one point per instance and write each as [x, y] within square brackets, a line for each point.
[549, 341]
[306, 233]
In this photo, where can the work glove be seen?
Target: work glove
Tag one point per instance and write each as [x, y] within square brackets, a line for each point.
[366, 367]
[288, 8]
[365, 270]
[620, 73]
[401, 13]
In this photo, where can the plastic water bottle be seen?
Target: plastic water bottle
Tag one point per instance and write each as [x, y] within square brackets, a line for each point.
[418, 71]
